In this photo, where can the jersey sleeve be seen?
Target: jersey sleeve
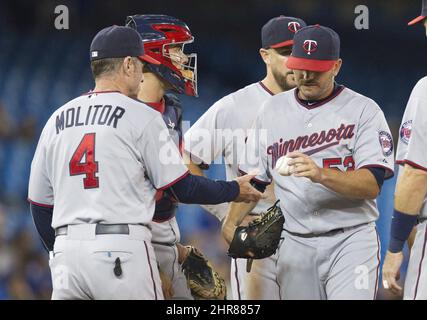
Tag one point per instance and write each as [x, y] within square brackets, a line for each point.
[162, 160]
[203, 141]
[416, 154]
[413, 130]
[374, 143]
[40, 190]
[254, 157]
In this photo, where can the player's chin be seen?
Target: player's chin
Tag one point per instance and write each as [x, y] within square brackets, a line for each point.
[310, 91]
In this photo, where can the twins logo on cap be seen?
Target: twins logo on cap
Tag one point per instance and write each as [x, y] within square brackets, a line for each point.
[316, 48]
[405, 131]
[279, 32]
[386, 142]
[294, 26]
[309, 46]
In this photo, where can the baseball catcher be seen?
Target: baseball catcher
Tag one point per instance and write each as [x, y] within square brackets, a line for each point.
[204, 282]
[260, 238]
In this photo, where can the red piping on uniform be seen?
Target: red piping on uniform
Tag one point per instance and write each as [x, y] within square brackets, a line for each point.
[151, 271]
[265, 88]
[321, 103]
[421, 263]
[379, 262]
[175, 181]
[40, 204]
[412, 164]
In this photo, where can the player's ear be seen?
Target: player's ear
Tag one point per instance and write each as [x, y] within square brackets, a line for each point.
[337, 67]
[127, 65]
[265, 55]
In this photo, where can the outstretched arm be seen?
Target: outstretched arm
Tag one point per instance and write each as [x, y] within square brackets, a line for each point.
[201, 190]
[217, 210]
[411, 190]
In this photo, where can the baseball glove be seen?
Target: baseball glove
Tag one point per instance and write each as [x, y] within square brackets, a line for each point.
[260, 238]
[204, 282]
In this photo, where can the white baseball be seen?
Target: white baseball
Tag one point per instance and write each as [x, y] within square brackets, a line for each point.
[282, 166]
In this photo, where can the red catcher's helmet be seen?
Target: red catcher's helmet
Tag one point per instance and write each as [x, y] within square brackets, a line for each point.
[158, 33]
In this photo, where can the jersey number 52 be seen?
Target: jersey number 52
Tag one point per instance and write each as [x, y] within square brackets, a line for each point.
[85, 149]
[335, 163]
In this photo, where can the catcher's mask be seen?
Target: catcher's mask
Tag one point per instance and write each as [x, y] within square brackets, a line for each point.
[159, 33]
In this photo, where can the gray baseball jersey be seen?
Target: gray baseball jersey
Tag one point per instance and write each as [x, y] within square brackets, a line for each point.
[411, 149]
[412, 145]
[348, 131]
[100, 159]
[334, 237]
[222, 130]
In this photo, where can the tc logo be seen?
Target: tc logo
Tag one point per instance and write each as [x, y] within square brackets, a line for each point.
[294, 26]
[386, 142]
[309, 46]
[405, 131]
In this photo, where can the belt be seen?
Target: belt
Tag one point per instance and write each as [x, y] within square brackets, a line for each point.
[99, 229]
[325, 234]
[168, 244]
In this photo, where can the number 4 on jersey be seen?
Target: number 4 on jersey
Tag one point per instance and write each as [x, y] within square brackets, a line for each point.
[85, 149]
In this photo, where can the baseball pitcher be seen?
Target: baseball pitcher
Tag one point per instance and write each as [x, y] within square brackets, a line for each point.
[338, 150]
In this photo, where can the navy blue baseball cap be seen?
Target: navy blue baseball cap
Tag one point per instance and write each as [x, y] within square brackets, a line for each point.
[118, 42]
[420, 17]
[279, 31]
[316, 48]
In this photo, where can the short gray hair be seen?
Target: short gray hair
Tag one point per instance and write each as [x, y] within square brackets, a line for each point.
[109, 66]
[104, 67]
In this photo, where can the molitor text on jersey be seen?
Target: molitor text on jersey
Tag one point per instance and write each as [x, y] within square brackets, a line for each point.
[91, 115]
[324, 139]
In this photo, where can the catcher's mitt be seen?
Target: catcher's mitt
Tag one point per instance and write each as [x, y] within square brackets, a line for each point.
[204, 282]
[260, 238]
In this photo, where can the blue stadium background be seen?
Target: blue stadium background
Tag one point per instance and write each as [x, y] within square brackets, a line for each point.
[41, 68]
